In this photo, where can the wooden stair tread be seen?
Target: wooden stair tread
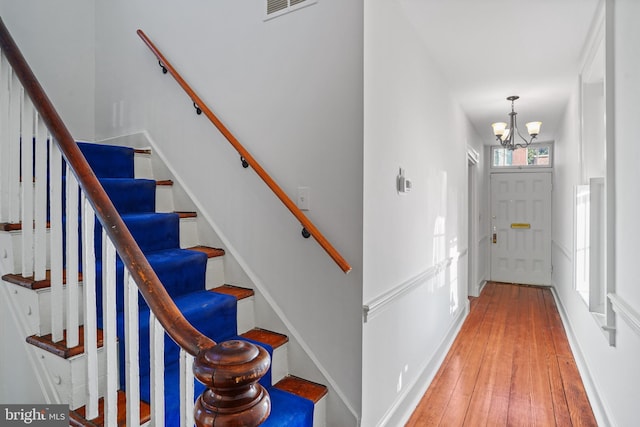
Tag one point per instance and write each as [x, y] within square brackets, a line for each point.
[271, 338]
[77, 417]
[15, 226]
[166, 182]
[60, 348]
[303, 388]
[211, 252]
[236, 291]
[142, 150]
[186, 214]
[10, 226]
[31, 283]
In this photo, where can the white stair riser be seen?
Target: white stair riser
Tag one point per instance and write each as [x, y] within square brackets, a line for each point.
[164, 199]
[279, 364]
[142, 166]
[320, 413]
[69, 376]
[215, 273]
[28, 303]
[11, 252]
[36, 307]
[189, 233]
[245, 314]
[44, 304]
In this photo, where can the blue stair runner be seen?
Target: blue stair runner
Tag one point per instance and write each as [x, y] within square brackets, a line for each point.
[182, 272]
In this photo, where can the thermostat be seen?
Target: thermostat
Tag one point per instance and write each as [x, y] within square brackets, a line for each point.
[403, 183]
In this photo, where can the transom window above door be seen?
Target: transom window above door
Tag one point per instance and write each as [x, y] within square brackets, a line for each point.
[532, 156]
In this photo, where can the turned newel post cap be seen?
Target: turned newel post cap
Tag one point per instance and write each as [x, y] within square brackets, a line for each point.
[231, 371]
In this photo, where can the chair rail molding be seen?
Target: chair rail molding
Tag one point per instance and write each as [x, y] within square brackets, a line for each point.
[369, 309]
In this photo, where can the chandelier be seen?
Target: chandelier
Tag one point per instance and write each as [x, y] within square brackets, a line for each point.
[506, 136]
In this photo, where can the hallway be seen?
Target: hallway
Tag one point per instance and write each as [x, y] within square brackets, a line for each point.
[510, 365]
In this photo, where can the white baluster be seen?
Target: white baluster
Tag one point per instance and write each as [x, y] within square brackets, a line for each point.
[4, 138]
[26, 132]
[109, 330]
[40, 214]
[90, 321]
[72, 259]
[55, 209]
[186, 389]
[132, 367]
[156, 343]
[15, 94]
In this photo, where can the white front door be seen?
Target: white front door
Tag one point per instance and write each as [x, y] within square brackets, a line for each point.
[521, 228]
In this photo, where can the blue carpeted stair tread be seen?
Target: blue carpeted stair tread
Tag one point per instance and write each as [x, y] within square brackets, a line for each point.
[181, 271]
[131, 195]
[153, 232]
[109, 161]
[212, 314]
[289, 410]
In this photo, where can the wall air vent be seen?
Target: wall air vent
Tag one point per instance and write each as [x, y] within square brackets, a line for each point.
[280, 7]
[275, 6]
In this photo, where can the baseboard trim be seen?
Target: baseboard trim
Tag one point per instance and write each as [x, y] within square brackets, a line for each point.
[600, 410]
[404, 405]
[481, 285]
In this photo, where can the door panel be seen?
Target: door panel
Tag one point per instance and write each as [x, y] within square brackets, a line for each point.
[521, 228]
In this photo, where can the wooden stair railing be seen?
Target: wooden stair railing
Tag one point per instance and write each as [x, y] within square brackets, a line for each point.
[230, 370]
[309, 229]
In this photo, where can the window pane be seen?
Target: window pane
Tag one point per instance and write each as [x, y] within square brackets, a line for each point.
[534, 155]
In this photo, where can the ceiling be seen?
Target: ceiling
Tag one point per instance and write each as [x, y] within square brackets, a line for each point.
[490, 49]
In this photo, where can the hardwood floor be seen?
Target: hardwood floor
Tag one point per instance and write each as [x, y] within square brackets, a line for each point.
[510, 365]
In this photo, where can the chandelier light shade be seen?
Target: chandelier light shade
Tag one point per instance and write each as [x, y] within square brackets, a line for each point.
[507, 134]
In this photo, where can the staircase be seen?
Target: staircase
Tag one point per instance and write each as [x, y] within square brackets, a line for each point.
[193, 275]
[79, 243]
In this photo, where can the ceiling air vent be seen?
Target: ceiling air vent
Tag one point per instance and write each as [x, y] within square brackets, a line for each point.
[280, 7]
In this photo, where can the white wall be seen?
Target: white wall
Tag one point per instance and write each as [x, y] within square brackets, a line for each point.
[413, 278]
[612, 371]
[290, 89]
[57, 40]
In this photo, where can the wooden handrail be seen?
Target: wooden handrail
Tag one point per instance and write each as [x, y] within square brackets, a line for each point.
[200, 104]
[240, 368]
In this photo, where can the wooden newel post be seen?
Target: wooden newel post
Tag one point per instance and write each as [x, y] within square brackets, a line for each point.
[231, 371]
